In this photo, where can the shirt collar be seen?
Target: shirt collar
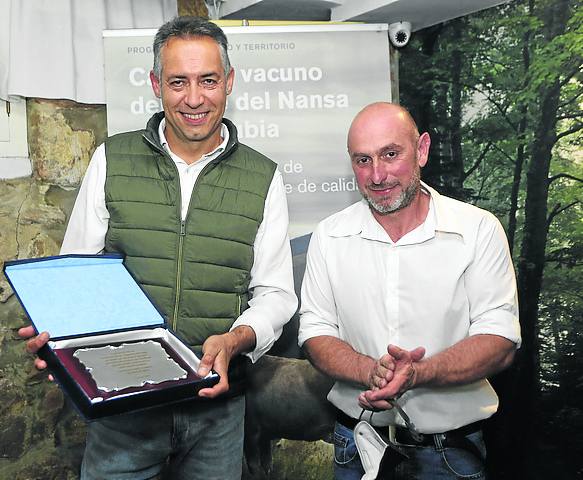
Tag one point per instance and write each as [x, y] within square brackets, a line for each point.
[212, 154]
[445, 219]
[361, 221]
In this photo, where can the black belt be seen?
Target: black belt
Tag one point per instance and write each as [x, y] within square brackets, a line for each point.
[453, 438]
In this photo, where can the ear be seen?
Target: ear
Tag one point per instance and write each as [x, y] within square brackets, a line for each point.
[155, 84]
[423, 145]
[230, 80]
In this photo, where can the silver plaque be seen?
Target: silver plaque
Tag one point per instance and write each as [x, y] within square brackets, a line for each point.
[129, 365]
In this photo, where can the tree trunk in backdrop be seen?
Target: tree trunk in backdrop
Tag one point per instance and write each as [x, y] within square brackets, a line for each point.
[521, 150]
[456, 170]
[532, 258]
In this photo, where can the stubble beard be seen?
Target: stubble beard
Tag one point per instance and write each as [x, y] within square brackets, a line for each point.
[402, 201]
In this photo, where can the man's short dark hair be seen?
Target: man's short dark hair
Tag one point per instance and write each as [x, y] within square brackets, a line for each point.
[184, 27]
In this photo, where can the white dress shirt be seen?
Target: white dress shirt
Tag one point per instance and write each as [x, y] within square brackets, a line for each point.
[449, 278]
[273, 300]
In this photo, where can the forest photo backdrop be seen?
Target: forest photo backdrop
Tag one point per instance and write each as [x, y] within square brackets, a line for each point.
[500, 92]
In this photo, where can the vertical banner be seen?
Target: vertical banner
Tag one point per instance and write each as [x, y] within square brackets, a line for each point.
[296, 90]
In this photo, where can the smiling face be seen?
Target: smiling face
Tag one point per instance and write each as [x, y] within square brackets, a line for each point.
[387, 152]
[193, 88]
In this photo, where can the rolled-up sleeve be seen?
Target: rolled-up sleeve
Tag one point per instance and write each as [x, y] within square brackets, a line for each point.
[318, 310]
[491, 284]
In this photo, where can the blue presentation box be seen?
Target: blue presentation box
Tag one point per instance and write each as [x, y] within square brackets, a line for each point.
[90, 301]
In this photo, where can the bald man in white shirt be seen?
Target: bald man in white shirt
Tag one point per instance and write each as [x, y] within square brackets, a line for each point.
[408, 295]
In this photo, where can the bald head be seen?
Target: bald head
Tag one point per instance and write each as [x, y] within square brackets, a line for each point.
[382, 116]
[387, 153]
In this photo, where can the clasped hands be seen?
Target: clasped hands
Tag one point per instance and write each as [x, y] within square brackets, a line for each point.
[391, 376]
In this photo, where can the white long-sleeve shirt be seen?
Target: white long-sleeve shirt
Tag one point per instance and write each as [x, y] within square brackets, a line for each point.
[449, 278]
[273, 300]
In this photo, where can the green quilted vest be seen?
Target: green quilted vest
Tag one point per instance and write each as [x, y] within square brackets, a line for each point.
[197, 272]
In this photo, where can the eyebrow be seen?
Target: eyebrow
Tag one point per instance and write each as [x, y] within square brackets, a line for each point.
[390, 146]
[210, 74]
[203, 75]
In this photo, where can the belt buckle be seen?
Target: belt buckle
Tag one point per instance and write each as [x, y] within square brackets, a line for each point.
[401, 444]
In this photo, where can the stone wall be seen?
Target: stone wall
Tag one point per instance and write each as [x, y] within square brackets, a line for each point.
[41, 437]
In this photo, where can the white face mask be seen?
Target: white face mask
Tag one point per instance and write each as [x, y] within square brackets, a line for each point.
[378, 457]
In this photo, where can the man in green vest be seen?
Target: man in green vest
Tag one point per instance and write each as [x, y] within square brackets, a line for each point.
[202, 222]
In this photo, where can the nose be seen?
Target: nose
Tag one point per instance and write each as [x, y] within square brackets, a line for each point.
[378, 172]
[194, 97]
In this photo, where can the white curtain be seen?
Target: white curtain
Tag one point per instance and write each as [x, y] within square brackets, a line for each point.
[54, 48]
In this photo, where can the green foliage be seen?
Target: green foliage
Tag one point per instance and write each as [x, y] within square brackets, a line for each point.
[513, 58]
